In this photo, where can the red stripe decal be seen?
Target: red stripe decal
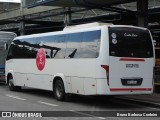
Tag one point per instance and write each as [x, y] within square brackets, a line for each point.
[132, 59]
[130, 89]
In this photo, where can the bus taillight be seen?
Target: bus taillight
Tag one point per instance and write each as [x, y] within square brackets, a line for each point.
[107, 72]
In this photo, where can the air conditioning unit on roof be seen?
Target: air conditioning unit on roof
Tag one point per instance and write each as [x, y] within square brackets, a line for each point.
[88, 25]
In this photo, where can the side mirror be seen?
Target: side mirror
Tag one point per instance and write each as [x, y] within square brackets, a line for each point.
[6, 46]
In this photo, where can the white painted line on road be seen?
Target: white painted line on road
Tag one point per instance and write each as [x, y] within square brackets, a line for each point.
[53, 118]
[102, 118]
[13, 96]
[45, 103]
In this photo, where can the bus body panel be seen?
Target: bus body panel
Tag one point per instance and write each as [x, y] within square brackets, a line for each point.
[103, 59]
[24, 76]
[133, 72]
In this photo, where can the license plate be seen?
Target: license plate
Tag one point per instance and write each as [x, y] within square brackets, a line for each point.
[131, 81]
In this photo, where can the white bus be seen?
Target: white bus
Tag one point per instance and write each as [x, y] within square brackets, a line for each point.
[5, 41]
[93, 59]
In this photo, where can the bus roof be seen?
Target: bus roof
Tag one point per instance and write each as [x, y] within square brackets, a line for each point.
[78, 28]
[88, 25]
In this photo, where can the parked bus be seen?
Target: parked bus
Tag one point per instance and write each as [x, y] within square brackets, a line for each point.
[90, 59]
[5, 41]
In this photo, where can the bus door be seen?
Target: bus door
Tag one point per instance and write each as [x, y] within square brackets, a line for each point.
[131, 60]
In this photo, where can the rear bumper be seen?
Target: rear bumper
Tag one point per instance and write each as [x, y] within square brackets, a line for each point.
[130, 91]
[104, 89]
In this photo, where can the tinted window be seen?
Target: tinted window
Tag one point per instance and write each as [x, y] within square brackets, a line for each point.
[61, 44]
[74, 45]
[23, 49]
[89, 46]
[53, 46]
[10, 53]
[130, 42]
[27, 48]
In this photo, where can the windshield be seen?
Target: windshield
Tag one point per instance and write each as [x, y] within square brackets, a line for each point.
[130, 42]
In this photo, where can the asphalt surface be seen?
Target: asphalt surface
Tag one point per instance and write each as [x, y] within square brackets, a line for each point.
[81, 107]
[152, 100]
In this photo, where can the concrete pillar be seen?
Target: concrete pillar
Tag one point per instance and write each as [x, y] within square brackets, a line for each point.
[22, 27]
[68, 17]
[22, 23]
[142, 7]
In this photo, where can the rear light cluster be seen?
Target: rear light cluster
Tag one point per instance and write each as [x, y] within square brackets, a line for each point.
[132, 59]
[106, 68]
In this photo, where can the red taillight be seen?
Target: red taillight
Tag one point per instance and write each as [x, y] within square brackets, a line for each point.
[132, 59]
[107, 72]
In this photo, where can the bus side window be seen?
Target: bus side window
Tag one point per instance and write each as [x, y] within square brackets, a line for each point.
[73, 45]
[50, 46]
[89, 46]
[10, 53]
[60, 43]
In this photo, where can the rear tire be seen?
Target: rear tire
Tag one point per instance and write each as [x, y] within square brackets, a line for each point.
[11, 85]
[59, 91]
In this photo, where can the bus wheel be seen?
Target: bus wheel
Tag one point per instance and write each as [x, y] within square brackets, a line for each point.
[11, 85]
[59, 91]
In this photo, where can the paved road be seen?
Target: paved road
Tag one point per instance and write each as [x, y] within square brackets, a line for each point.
[39, 100]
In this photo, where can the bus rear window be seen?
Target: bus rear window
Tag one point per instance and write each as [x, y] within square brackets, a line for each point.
[130, 42]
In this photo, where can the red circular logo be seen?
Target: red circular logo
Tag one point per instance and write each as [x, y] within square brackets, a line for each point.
[41, 59]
